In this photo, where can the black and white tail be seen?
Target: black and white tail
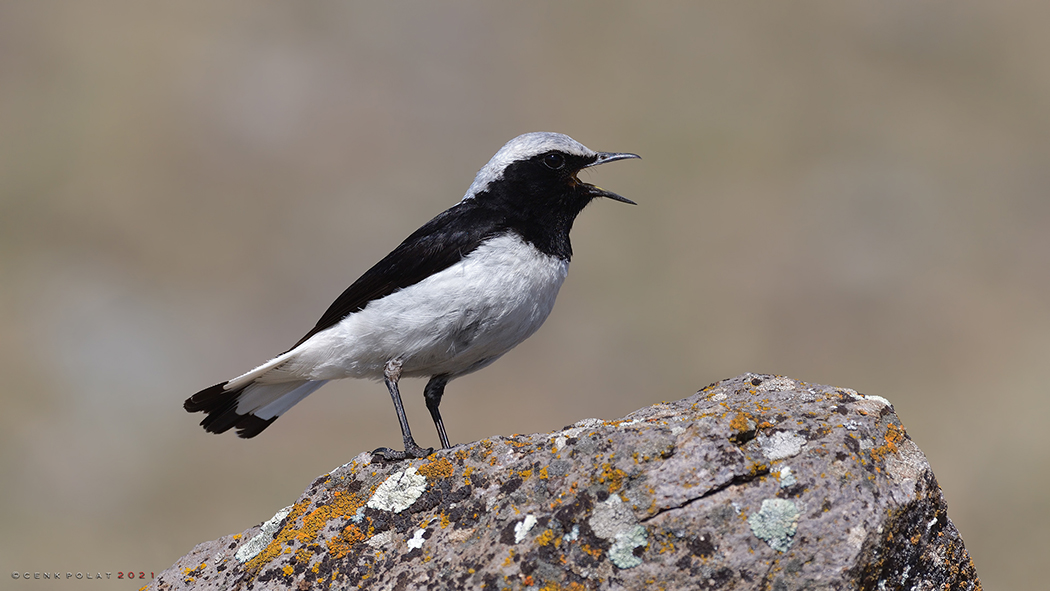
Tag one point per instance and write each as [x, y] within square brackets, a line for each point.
[250, 402]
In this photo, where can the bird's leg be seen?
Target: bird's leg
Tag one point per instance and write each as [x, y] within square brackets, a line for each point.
[432, 393]
[391, 374]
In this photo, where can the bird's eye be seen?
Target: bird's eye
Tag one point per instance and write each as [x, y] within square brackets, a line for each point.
[554, 161]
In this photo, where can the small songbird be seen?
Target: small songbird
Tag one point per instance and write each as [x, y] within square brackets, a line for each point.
[452, 298]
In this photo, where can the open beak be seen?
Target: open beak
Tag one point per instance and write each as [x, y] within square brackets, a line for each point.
[602, 158]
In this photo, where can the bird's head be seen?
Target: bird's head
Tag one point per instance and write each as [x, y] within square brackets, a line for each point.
[542, 167]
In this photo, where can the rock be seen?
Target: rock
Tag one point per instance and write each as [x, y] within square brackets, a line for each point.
[752, 483]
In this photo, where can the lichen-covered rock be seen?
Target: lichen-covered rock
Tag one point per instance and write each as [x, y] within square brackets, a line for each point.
[757, 482]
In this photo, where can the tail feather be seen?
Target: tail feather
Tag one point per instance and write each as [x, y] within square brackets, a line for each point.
[206, 399]
[250, 408]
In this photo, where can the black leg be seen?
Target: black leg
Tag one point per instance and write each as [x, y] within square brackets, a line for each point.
[432, 394]
[391, 375]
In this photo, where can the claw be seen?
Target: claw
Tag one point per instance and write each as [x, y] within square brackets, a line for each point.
[412, 451]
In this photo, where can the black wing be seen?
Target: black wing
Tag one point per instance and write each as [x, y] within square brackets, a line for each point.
[439, 244]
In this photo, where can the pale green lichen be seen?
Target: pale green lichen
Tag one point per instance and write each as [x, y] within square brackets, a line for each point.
[878, 399]
[776, 523]
[417, 539]
[522, 528]
[255, 545]
[614, 521]
[781, 445]
[399, 491]
[381, 539]
[622, 551]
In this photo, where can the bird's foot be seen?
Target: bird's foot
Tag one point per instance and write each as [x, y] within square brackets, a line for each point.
[411, 451]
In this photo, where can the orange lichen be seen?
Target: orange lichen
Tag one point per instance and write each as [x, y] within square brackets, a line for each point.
[288, 570]
[187, 572]
[666, 545]
[342, 506]
[273, 549]
[342, 544]
[436, 469]
[595, 552]
[741, 422]
[303, 555]
[758, 469]
[525, 474]
[894, 435]
[547, 537]
[518, 444]
[555, 586]
[543, 473]
[466, 474]
[613, 476]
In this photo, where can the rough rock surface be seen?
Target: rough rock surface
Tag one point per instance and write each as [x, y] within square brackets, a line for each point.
[757, 482]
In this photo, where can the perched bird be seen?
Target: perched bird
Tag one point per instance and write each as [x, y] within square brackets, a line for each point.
[452, 298]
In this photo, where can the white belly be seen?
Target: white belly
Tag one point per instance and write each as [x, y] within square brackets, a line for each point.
[453, 322]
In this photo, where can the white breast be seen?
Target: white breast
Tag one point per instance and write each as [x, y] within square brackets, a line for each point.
[453, 322]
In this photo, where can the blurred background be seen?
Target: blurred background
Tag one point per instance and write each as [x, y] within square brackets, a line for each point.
[853, 194]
